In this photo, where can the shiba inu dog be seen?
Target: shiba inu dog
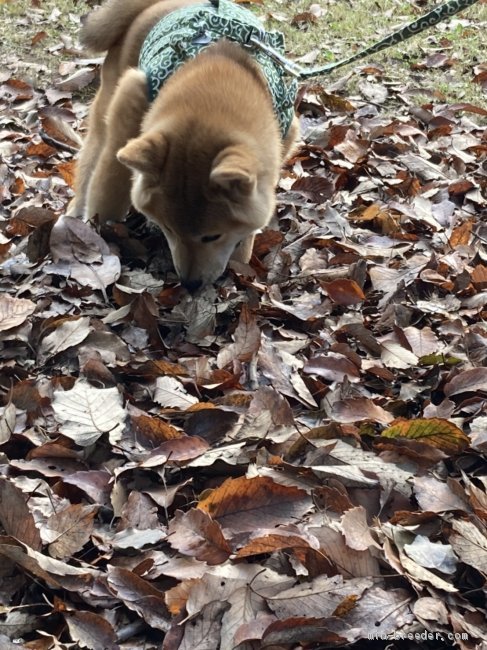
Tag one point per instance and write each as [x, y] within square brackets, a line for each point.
[191, 125]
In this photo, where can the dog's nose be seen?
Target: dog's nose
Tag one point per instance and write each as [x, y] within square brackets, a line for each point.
[192, 285]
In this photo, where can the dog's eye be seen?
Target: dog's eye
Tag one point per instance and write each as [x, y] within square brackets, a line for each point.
[208, 238]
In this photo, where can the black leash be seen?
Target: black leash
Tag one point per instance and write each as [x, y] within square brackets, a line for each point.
[435, 16]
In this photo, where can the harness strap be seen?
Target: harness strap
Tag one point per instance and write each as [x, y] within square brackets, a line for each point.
[184, 33]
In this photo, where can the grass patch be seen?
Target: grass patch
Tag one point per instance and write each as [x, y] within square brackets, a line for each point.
[345, 28]
[36, 39]
[342, 29]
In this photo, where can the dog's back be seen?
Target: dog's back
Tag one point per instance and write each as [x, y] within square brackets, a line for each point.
[105, 26]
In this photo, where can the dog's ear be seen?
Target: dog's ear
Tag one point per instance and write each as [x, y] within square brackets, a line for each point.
[145, 154]
[233, 173]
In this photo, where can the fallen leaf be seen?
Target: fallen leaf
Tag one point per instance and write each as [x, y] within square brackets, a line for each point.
[432, 555]
[69, 333]
[356, 529]
[14, 311]
[344, 292]
[139, 596]
[16, 518]
[243, 504]
[470, 543]
[333, 368]
[85, 413]
[194, 533]
[468, 381]
[319, 596]
[69, 530]
[8, 418]
[356, 410]
[171, 393]
[436, 432]
[91, 630]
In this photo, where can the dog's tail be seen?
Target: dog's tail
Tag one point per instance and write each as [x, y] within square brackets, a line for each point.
[103, 27]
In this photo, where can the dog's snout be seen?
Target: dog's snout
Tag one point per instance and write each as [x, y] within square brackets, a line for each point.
[192, 285]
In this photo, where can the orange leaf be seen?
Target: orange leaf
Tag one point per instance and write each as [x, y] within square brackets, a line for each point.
[154, 430]
[244, 504]
[366, 214]
[344, 292]
[436, 432]
[18, 186]
[271, 543]
[461, 235]
[479, 277]
[336, 103]
[38, 37]
[177, 597]
[66, 169]
[42, 150]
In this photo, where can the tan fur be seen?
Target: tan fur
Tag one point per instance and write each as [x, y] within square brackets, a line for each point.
[202, 160]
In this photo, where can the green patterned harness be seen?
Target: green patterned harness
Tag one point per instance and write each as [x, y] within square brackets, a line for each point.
[184, 33]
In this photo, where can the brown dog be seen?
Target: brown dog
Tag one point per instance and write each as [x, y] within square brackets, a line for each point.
[201, 160]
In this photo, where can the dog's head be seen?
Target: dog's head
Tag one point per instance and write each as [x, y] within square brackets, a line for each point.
[206, 194]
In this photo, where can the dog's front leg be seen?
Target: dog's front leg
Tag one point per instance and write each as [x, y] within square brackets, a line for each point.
[289, 144]
[109, 188]
[243, 252]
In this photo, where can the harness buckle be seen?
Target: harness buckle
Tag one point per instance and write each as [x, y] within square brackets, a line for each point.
[202, 38]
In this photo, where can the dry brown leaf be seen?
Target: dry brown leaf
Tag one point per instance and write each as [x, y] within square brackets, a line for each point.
[8, 418]
[152, 431]
[69, 530]
[461, 234]
[67, 171]
[356, 410]
[40, 149]
[470, 543]
[336, 102]
[319, 596]
[435, 496]
[243, 504]
[28, 219]
[139, 596]
[79, 252]
[16, 518]
[479, 277]
[300, 630]
[344, 292]
[91, 630]
[271, 541]
[247, 340]
[194, 533]
[468, 381]
[333, 368]
[175, 450]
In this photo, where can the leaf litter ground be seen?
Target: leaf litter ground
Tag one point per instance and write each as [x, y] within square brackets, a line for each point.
[294, 458]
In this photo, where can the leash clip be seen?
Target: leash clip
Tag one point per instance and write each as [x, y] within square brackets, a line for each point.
[290, 67]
